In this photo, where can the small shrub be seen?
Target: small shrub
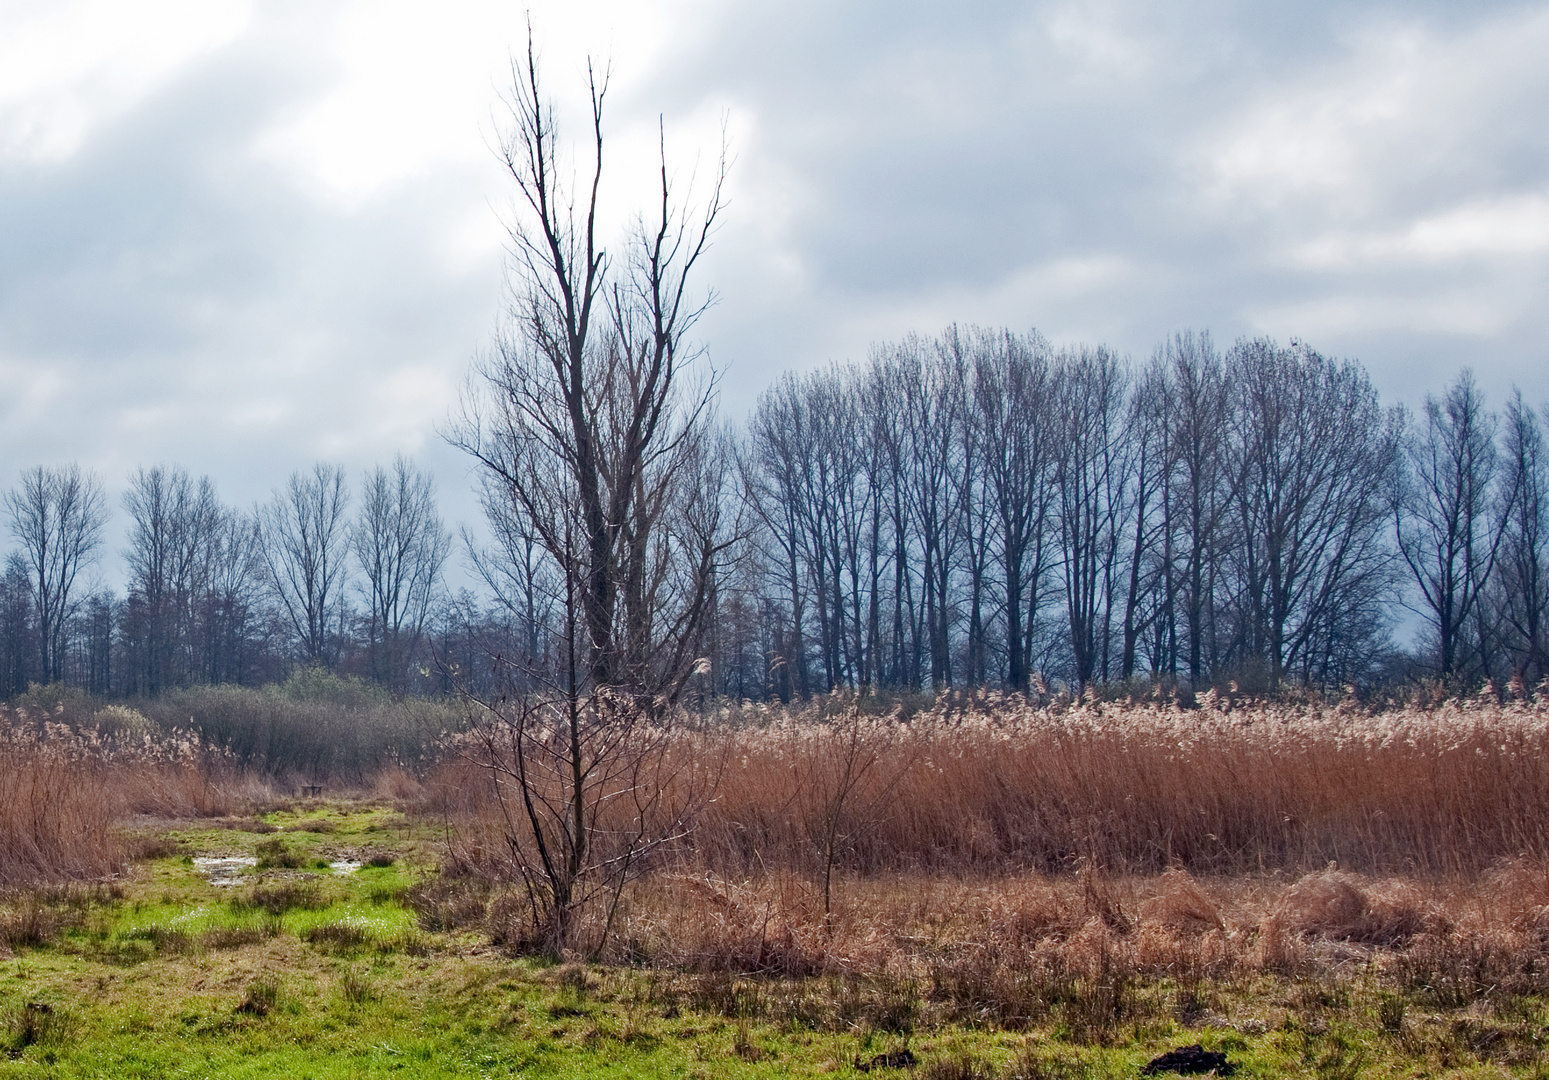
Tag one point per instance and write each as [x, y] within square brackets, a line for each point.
[384, 894]
[355, 987]
[242, 824]
[449, 903]
[28, 923]
[1454, 970]
[1096, 1008]
[1390, 1013]
[143, 847]
[164, 940]
[744, 1046]
[262, 996]
[277, 855]
[962, 1067]
[338, 937]
[280, 897]
[37, 1024]
[409, 943]
[1029, 1066]
[316, 825]
[234, 937]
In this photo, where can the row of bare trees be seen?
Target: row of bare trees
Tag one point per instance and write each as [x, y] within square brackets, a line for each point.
[214, 593]
[974, 509]
[979, 507]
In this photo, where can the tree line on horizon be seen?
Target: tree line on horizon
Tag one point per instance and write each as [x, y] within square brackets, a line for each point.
[980, 508]
[973, 509]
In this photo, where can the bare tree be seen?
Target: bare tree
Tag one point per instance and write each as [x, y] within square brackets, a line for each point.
[1443, 510]
[232, 600]
[401, 546]
[1312, 457]
[588, 419]
[1147, 599]
[57, 516]
[1522, 585]
[594, 436]
[932, 379]
[171, 555]
[18, 643]
[775, 474]
[1091, 483]
[305, 547]
[1013, 409]
[1201, 422]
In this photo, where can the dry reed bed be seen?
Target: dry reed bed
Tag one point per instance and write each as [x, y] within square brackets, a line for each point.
[1000, 856]
[1142, 787]
[64, 789]
[1000, 786]
[1168, 925]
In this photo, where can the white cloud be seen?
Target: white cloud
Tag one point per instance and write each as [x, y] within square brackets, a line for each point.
[1510, 226]
[68, 66]
[417, 84]
[1403, 112]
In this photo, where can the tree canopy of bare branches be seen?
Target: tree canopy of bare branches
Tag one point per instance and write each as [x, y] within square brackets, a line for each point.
[401, 546]
[305, 546]
[56, 516]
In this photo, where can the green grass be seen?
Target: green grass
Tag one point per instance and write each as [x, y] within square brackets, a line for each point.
[167, 975]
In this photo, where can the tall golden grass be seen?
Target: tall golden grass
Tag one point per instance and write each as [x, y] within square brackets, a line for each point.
[996, 785]
[64, 790]
[1000, 856]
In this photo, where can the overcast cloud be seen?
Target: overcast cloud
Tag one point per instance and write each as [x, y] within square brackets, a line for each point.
[243, 237]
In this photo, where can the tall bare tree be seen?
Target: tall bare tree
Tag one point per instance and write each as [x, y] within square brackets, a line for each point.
[401, 546]
[305, 548]
[233, 601]
[775, 476]
[592, 426]
[592, 415]
[1201, 422]
[1445, 520]
[57, 516]
[1522, 585]
[18, 643]
[173, 542]
[1091, 481]
[1014, 409]
[1312, 455]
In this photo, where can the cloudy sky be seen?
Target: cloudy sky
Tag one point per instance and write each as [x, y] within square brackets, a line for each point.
[246, 236]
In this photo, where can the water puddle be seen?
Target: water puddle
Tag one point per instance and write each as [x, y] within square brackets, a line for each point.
[223, 870]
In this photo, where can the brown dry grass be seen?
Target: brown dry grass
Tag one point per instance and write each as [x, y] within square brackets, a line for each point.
[1086, 951]
[63, 790]
[998, 786]
[997, 845]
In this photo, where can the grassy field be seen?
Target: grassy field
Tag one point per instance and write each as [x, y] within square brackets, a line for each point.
[194, 924]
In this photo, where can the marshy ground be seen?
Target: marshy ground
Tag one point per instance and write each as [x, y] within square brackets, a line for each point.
[315, 939]
[1019, 889]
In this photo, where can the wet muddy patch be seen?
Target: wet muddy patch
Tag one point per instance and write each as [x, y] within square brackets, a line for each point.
[224, 869]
